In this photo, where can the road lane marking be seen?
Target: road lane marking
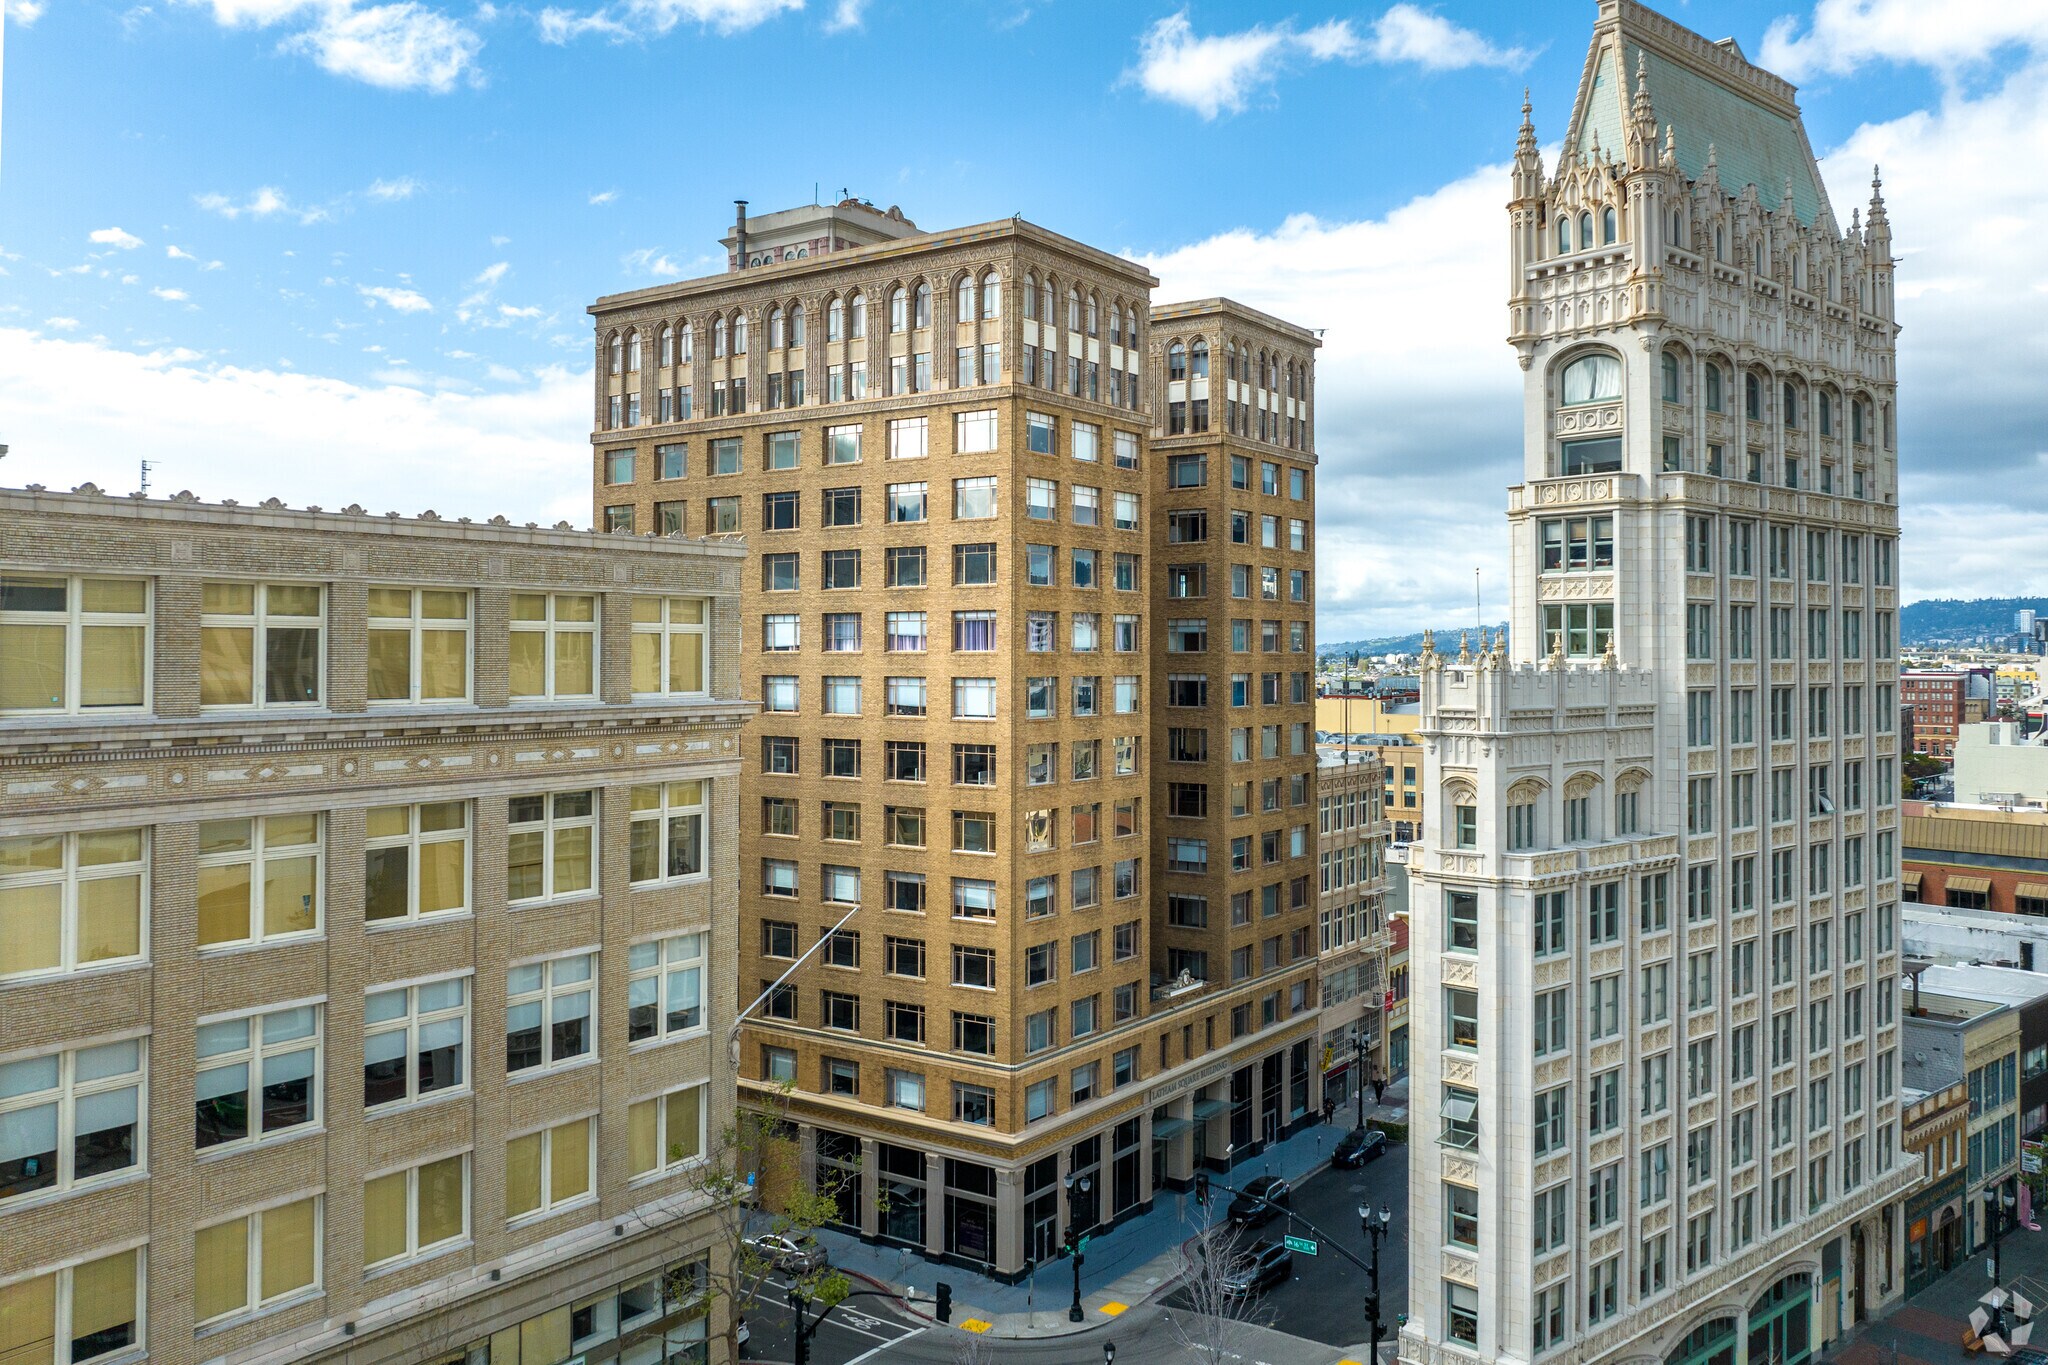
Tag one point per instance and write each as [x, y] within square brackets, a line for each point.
[877, 1350]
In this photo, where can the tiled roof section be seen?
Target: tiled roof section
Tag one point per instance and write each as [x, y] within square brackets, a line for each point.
[1697, 89]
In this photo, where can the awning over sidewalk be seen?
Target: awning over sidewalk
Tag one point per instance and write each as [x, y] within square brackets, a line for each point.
[1910, 880]
[2031, 891]
[1209, 1109]
[1166, 1128]
[1976, 886]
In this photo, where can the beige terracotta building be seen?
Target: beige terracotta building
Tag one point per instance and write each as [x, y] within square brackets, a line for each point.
[1352, 933]
[953, 461]
[366, 915]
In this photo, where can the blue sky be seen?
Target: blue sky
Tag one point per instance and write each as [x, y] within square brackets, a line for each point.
[339, 250]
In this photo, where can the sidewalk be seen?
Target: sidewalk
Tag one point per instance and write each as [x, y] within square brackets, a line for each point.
[1927, 1329]
[1121, 1268]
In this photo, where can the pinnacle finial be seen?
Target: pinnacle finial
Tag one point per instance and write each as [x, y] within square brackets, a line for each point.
[1713, 160]
[1464, 646]
[1526, 107]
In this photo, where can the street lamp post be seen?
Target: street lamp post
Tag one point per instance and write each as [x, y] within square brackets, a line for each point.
[1994, 1209]
[1358, 1041]
[1108, 1353]
[1375, 1222]
[1075, 1185]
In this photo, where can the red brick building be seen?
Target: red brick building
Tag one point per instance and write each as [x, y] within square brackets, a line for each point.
[1936, 703]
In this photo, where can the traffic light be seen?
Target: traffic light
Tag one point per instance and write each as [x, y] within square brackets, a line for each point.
[1202, 1188]
[942, 1302]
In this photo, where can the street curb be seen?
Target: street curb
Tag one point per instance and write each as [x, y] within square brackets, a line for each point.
[1165, 1286]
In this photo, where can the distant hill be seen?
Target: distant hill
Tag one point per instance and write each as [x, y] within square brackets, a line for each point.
[1446, 639]
[1950, 621]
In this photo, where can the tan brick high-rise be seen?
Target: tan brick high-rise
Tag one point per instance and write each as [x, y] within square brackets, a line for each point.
[948, 454]
[365, 934]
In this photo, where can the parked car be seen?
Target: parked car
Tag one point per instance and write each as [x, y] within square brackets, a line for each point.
[1359, 1146]
[1257, 1268]
[798, 1255]
[1259, 1201]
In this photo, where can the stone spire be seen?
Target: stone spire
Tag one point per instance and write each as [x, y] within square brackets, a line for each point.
[1528, 174]
[1878, 224]
[1642, 123]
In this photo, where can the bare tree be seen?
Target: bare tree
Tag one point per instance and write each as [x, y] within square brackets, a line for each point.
[1216, 1321]
[973, 1348]
[750, 1182]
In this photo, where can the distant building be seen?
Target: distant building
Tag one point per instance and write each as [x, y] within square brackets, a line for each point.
[1351, 853]
[1949, 1038]
[1997, 764]
[1975, 857]
[1359, 713]
[1936, 702]
[2023, 620]
[812, 230]
[1935, 1126]
[1940, 934]
[2027, 993]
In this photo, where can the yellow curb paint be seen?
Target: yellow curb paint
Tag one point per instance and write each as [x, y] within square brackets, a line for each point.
[1113, 1308]
[975, 1325]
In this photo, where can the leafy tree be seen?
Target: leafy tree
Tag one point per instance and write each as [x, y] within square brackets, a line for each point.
[751, 1182]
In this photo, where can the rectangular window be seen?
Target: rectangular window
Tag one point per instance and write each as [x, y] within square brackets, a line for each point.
[416, 861]
[258, 1076]
[667, 1132]
[550, 1170]
[72, 645]
[256, 1261]
[553, 649]
[415, 1042]
[260, 644]
[550, 849]
[419, 645]
[665, 988]
[69, 1119]
[671, 646]
[548, 1012]
[75, 900]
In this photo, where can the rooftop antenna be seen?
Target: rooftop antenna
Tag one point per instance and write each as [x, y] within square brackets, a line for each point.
[147, 465]
[1478, 611]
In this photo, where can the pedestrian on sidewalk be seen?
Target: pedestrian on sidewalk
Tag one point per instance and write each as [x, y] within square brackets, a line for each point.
[1329, 1109]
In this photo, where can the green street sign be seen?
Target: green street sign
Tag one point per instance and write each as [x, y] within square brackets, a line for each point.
[1084, 1243]
[1305, 1245]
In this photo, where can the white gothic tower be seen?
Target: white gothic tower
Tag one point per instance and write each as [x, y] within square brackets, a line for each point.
[1655, 921]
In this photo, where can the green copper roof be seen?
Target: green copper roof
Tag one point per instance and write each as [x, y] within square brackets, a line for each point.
[1752, 144]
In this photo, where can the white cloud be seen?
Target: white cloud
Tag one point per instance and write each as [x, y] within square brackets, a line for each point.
[402, 46]
[1409, 33]
[652, 18]
[1219, 73]
[115, 237]
[397, 300]
[507, 311]
[404, 187]
[178, 253]
[491, 274]
[847, 14]
[1845, 34]
[650, 260]
[170, 295]
[61, 324]
[605, 197]
[265, 202]
[23, 12]
[403, 448]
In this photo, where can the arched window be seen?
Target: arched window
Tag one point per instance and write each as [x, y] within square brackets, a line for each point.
[668, 345]
[1031, 294]
[1585, 229]
[1827, 416]
[1594, 378]
[739, 333]
[632, 351]
[1131, 326]
[1564, 234]
[1116, 323]
[1230, 359]
[991, 296]
[1609, 227]
[687, 348]
[1093, 319]
[1176, 361]
[1713, 387]
[1073, 309]
[921, 314]
[618, 349]
[1198, 360]
[1799, 270]
[796, 324]
[1831, 283]
[857, 322]
[1752, 398]
[899, 310]
[719, 336]
[1791, 413]
[776, 340]
[963, 299]
[1046, 315]
[1720, 244]
[835, 320]
[1677, 228]
[1670, 377]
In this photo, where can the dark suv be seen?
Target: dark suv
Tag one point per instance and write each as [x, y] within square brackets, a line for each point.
[1260, 1200]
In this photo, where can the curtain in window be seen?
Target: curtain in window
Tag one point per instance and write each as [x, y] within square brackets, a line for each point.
[1592, 379]
[221, 1281]
[103, 1304]
[976, 631]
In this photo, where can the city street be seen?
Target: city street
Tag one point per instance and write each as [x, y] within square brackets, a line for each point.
[1307, 1321]
[1325, 1301]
